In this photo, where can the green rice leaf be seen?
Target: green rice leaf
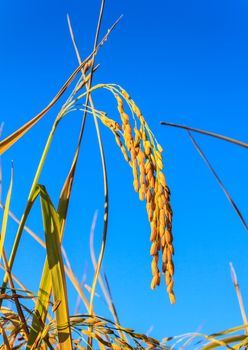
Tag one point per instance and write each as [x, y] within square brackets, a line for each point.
[51, 224]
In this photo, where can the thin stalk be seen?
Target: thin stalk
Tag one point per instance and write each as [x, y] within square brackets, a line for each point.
[238, 212]
[218, 136]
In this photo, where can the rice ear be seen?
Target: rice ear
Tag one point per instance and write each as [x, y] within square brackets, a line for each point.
[144, 155]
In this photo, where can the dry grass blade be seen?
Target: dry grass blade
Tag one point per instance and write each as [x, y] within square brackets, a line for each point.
[238, 212]
[208, 133]
[239, 296]
[10, 140]
[51, 224]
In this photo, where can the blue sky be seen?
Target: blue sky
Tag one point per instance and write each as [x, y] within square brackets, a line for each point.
[184, 62]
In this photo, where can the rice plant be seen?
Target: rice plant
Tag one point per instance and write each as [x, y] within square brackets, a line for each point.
[41, 319]
[48, 324]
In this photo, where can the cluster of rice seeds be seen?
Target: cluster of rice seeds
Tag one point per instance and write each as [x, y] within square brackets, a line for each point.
[144, 155]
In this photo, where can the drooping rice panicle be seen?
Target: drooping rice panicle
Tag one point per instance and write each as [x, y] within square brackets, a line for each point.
[144, 155]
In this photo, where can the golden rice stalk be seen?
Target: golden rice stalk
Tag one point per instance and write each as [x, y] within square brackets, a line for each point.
[144, 154]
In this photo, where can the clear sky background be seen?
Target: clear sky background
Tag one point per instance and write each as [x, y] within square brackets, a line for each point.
[181, 61]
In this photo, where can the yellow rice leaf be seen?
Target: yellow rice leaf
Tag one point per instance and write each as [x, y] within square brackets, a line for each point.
[15, 136]
[10, 140]
[51, 225]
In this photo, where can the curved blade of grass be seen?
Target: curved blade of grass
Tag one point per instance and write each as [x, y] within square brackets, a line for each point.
[218, 136]
[11, 139]
[15, 136]
[6, 213]
[51, 223]
[238, 212]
